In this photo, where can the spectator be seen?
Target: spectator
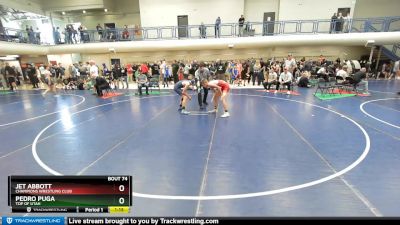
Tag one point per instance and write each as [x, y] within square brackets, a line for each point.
[347, 23]
[202, 30]
[342, 73]
[125, 33]
[144, 69]
[50, 81]
[323, 73]
[68, 35]
[31, 35]
[10, 75]
[83, 34]
[333, 23]
[218, 27]
[32, 76]
[241, 23]
[165, 72]
[360, 78]
[27, 34]
[101, 84]
[94, 73]
[124, 76]
[290, 63]
[99, 31]
[304, 80]
[74, 35]
[257, 70]
[338, 61]
[339, 23]
[129, 71]
[142, 82]
[220, 70]
[175, 69]
[116, 75]
[272, 79]
[285, 79]
[37, 36]
[322, 60]
[27, 29]
[57, 36]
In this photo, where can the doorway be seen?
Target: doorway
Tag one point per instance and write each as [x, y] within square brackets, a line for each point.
[183, 26]
[345, 12]
[269, 18]
[115, 61]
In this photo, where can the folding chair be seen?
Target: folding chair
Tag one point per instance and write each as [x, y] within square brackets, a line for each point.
[154, 83]
[323, 86]
[348, 84]
[333, 84]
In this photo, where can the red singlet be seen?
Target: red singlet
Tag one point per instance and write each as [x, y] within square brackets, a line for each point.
[224, 85]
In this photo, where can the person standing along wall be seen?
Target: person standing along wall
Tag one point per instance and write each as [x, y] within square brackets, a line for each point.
[99, 31]
[241, 23]
[333, 23]
[339, 23]
[218, 27]
[202, 29]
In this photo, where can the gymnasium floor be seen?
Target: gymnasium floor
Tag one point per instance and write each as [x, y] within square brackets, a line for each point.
[277, 155]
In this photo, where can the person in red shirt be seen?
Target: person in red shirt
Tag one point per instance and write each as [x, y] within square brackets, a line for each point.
[144, 69]
[221, 89]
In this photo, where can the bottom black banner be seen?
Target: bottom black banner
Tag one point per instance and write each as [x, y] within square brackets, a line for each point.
[211, 221]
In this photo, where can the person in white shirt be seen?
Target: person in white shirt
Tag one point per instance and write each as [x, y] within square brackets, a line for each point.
[94, 70]
[323, 73]
[342, 73]
[285, 79]
[50, 81]
[347, 24]
[94, 73]
[290, 63]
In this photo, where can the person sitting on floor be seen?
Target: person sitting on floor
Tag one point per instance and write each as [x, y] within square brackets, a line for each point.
[304, 81]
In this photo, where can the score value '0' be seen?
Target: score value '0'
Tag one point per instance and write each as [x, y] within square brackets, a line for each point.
[121, 200]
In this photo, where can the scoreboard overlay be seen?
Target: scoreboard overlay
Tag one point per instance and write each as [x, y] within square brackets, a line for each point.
[90, 194]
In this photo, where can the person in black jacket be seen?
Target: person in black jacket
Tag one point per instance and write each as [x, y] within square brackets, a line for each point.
[304, 81]
[10, 75]
[101, 84]
[32, 76]
[360, 78]
[116, 75]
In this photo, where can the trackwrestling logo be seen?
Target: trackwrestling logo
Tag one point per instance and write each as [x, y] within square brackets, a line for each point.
[33, 220]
